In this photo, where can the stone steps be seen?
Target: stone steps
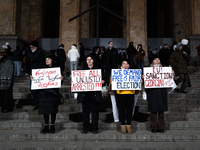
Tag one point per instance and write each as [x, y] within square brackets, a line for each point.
[103, 136]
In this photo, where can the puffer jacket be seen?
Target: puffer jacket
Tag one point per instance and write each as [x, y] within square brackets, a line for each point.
[73, 54]
[178, 61]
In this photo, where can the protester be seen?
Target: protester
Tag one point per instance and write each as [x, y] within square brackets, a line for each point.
[178, 61]
[6, 80]
[131, 50]
[125, 100]
[110, 60]
[90, 102]
[140, 56]
[187, 50]
[157, 102]
[61, 57]
[48, 101]
[164, 54]
[73, 55]
[17, 57]
[82, 54]
[36, 58]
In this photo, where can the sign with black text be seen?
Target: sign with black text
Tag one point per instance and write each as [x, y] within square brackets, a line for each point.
[158, 77]
[126, 79]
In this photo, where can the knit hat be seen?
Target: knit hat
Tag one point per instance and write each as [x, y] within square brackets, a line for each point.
[35, 43]
[178, 45]
[50, 56]
[61, 46]
[154, 57]
[184, 41]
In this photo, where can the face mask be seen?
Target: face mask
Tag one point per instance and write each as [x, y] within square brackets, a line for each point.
[33, 50]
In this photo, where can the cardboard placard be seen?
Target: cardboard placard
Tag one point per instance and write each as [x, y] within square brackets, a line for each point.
[86, 80]
[46, 78]
[126, 79]
[158, 77]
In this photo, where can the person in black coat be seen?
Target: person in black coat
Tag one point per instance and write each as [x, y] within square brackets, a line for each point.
[157, 102]
[17, 57]
[48, 102]
[6, 81]
[110, 60]
[36, 61]
[82, 54]
[90, 101]
[131, 50]
[61, 57]
[164, 54]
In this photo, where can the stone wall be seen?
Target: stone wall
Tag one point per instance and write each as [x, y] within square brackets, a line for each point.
[84, 20]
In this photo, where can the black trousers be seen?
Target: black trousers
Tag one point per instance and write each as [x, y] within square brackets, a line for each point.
[6, 100]
[157, 120]
[125, 107]
[184, 79]
[62, 66]
[90, 104]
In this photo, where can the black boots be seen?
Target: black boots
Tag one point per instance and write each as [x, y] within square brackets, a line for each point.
[45, 129]
[52, 129]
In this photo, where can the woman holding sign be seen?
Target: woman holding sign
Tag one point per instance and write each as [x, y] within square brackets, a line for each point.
[157, 102]
[90, 101]
[48, 102]
[125, 99]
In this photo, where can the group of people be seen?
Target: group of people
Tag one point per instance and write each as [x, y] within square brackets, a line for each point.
[123, 101]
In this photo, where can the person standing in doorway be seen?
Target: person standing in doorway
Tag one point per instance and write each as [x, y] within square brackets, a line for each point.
[17, 57]
[140, 56]
[73, 56]
[61, 57]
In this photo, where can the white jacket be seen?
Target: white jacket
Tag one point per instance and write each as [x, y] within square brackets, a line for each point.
[73, 54]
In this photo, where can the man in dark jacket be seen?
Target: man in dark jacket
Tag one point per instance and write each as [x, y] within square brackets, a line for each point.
[17, 57]
[37, 60]
[6, 81]
[178, 61]
[164, 54]
[187, 50]
[82, 54]
[61, 57]
[110, 60]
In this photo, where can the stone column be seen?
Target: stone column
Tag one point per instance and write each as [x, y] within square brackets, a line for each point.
[136, 25]
[69, 31]
[195, 17]
[7, 17]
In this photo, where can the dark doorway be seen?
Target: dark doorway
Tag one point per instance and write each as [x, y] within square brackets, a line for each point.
[51, 18]
[109, 25]
[159, 19]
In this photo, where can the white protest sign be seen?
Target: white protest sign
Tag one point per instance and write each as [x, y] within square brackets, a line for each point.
[45, 78]
[158, 77]
[126, 79]
[86, 80]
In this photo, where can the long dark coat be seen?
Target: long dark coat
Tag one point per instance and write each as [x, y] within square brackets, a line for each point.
[178, 61]
[157, 99]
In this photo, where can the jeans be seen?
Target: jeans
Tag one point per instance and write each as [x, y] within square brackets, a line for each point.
[73, 65]
[18, 67]
[140, 66]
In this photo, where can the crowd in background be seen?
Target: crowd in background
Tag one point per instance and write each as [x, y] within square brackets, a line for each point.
[12, 62]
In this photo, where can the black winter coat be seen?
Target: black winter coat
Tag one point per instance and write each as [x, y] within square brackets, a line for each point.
[48, 101]
[164, 56]
[37, 60]
[157, 99]
[61, 55]
[178, 61]
[111, 58]
[97, 94]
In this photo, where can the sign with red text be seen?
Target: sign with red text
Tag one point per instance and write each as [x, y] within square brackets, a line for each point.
[126, 79]
[158, 77]
[86, 80]
[46, 78]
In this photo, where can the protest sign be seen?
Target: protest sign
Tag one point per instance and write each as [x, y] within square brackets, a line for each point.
[86, 80]
[126, 79]
[158, 77]
[46, 78]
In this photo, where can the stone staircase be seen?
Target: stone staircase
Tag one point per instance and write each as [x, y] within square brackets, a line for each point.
[20, 129]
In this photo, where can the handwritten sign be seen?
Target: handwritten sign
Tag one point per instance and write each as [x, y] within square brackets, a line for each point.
[86, 80]
[126, 79]
[46, 78]
[157, 77]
